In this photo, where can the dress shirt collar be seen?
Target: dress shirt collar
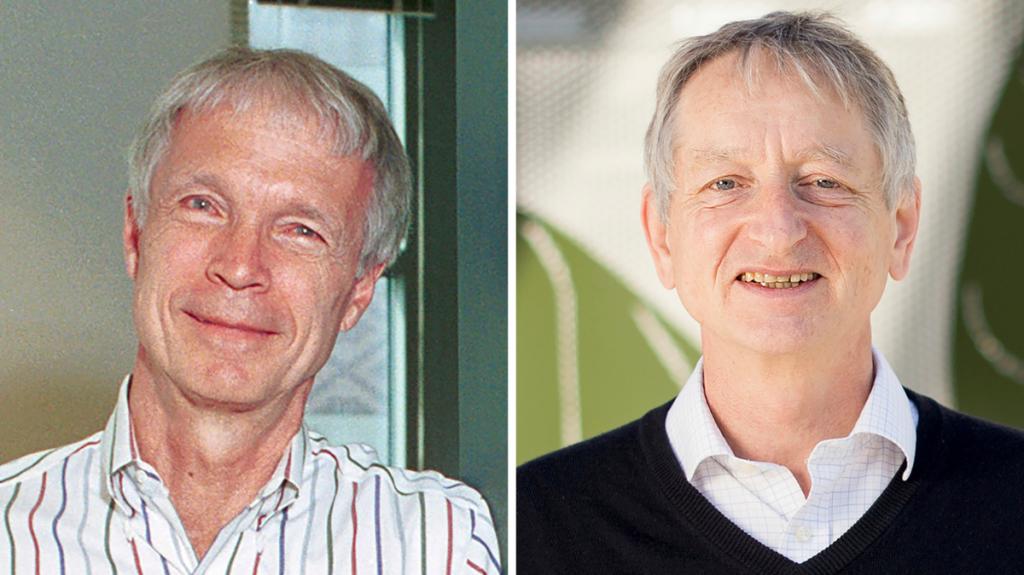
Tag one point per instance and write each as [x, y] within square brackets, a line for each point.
[696, 437]
[121, 458]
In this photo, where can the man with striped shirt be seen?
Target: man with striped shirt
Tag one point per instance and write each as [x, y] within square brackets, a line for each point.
[268, 193]
[781, 196]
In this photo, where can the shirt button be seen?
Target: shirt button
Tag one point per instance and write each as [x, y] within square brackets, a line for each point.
[803, 534]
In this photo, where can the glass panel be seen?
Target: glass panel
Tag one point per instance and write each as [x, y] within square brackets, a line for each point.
[359, 395]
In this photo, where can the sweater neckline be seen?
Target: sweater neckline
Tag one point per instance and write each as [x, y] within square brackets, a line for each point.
[750, 553]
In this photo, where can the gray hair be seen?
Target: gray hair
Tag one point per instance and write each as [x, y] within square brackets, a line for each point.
[814, 46]
[346, 110]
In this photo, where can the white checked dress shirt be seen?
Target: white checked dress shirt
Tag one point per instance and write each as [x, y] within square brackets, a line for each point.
[96, 508]
[765, 500]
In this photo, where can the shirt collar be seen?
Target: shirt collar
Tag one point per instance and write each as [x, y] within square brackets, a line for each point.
[889, 413]
[118, 445]
[286, 481]
[696, 437]
[691, 428]
[120, 451]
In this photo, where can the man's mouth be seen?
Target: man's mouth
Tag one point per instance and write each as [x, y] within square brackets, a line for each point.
[223, 323]
[778, 281]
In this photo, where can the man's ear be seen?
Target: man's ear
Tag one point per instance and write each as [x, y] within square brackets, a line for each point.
[908, 216]
[360, 298]
[130, 237]
[656, 233]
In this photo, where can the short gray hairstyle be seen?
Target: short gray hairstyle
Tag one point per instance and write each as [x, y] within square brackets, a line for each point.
[815, 47]
[298, 83]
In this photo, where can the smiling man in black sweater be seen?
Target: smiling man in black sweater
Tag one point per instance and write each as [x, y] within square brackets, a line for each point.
[781, 196]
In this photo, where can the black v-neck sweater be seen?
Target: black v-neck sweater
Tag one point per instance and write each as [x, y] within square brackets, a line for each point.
[620, 503]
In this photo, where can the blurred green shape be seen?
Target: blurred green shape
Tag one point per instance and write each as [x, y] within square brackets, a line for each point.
[988, 353]
[590, 354]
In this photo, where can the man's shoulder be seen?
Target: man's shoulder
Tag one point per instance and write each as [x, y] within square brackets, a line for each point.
[359, 464]
[612, 457]
[33, 467]
[966, 441]
[425, 498]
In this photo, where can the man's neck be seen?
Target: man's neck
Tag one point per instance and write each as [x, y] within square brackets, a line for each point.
[777, 408]
[214, 463]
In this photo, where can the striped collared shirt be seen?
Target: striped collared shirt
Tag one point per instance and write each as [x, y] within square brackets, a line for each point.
[764, 499]
[96, 508]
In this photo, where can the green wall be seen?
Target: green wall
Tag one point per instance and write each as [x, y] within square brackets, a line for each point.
[621, 374]
[988, 358]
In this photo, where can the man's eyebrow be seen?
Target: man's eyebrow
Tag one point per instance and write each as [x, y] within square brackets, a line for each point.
[203, 180]
[712, 155]
[826, 153]
[309, 212]
[819, 152]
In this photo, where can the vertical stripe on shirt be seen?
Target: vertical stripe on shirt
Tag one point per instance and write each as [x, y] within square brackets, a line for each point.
[234, 552]
[423, 533]
[355, 526]
[135, 556]
[106, 537]
[309, 522]
[85, 513]
[449, 568]
[330, 511]
[7, 522]
[280, 559]
[31, 520]
[376, 520]
[149, 537]
[60, 512]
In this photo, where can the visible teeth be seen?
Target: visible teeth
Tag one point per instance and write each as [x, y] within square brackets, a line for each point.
[777, 282]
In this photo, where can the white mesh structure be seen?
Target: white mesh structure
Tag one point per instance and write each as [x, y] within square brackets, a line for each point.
[586, 73]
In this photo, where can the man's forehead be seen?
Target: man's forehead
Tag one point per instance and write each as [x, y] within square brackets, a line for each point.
[720, 116]
[753, 70]
[277, 111]
[812, 152]
[253, 134]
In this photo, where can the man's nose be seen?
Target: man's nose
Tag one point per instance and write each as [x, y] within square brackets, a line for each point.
[777, 222]
[237, 260]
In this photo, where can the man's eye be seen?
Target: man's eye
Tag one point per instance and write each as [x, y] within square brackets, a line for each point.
[724, 185]
[305, 231]
[826, 183]
[201, 204]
